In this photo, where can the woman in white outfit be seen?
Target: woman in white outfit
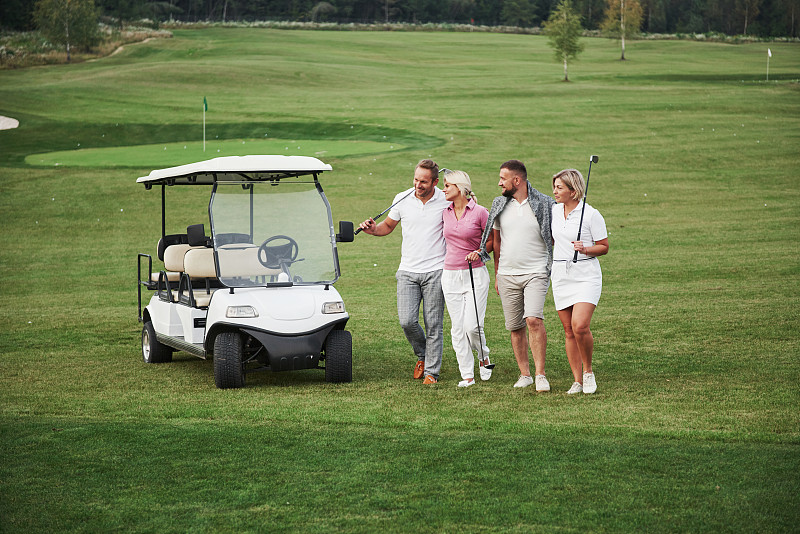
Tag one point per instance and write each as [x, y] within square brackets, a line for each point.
[464, 221]
[577, 285]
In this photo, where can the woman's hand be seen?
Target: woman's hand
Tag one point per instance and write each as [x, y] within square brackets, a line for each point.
[580, 247]
[473, 256]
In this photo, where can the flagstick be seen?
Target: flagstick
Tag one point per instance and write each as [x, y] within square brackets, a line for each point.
[204, 127]
[769, 55]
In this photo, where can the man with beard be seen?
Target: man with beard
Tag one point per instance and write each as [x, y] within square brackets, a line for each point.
[523, 259]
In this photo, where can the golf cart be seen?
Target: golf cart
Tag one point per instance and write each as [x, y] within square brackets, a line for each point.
[257, 293]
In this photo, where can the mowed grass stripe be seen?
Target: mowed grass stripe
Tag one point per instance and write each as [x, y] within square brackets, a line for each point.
[253, 476]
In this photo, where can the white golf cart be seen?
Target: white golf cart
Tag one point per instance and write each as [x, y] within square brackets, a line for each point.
[258, 292]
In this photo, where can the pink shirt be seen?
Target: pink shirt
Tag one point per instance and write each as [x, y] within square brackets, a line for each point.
[464, 235]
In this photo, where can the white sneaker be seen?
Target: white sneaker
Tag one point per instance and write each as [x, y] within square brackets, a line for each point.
[466, 383]
[541, 383]
[576, 388]
[523, 381]
[486, 374]
[589, 384]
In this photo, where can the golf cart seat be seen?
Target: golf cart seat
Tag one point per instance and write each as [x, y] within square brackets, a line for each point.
[172, 249]
[198, 264]
[196, 236]
[176, 256]
[173, 270]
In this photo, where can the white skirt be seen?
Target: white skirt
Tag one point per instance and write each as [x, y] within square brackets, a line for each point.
[576, 282]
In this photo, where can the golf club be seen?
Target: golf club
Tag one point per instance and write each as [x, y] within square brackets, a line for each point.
[478, 317]
[592, 159]
[381, 214]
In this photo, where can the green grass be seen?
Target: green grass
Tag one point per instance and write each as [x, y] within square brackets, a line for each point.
[695, 426]
[182, 152]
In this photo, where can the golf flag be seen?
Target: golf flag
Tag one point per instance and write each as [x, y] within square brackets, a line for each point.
[769, 55]
[205, 104]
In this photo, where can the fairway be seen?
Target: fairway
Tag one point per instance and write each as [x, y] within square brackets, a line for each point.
[694, 427]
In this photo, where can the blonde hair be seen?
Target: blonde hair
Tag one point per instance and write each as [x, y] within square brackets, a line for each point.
[573, 179]
[461, 180]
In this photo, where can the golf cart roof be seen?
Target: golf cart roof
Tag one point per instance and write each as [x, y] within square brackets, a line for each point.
[235, 169]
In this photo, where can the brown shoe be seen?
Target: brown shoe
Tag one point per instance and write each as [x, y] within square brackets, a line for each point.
[430, 380]
[419, 369]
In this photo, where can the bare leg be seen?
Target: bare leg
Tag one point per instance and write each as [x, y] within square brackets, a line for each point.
[537, 338]
[520, 346]
[581, 319]
[571, 346]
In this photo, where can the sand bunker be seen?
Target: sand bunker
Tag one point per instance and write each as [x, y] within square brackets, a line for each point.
[7, 123]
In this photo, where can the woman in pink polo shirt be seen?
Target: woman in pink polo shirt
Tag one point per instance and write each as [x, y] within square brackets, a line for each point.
[464, 221]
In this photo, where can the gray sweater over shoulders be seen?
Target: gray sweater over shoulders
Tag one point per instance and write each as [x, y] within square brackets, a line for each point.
[542, 206]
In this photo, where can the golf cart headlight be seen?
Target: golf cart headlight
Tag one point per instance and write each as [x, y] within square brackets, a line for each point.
[333, 307]
[241, 312]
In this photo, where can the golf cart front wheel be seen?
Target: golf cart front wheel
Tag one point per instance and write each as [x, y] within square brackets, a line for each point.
[153, 351]
[339, 357]
[228, 366]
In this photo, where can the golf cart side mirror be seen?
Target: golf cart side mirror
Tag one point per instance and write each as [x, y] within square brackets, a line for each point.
[345, 234]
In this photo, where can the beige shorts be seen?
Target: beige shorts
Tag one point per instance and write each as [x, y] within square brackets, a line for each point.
[522, 296]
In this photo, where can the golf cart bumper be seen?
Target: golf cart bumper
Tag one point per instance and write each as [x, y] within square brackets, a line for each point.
[289, 352]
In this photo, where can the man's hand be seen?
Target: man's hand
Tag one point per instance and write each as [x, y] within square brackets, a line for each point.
[368, 226]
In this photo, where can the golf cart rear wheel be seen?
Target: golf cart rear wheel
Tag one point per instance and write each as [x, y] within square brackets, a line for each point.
[228, 366]
[339, 357]
[153, 351]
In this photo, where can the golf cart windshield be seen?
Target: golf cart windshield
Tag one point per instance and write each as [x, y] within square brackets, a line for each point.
[272, 233]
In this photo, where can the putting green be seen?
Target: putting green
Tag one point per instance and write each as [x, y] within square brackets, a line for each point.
[179, 153]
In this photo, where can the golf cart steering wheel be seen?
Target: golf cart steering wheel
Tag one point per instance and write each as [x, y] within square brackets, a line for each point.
[275, 256]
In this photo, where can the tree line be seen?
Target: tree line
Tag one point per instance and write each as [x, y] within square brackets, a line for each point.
[765, 18]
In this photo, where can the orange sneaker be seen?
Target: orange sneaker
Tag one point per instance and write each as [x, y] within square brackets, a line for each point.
[430, 380]
[419, 369]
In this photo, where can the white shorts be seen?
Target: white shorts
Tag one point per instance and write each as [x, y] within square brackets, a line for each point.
[576, 282]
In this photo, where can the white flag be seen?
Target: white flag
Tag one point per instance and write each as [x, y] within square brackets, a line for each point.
[769, 52]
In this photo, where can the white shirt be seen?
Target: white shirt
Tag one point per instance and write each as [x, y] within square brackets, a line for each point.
[565, 230]
[522, 249]
[423, 247]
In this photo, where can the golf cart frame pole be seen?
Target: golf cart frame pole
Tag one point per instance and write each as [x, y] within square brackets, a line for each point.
[163, 210]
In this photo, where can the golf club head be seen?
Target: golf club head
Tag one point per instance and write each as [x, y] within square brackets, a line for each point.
[593, 159]
[443, 170]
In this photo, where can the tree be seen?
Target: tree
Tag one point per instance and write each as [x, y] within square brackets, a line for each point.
[520, 13]
[563, 30]
[623, 18]
[67, 22]
[747, 11]
[321, 11]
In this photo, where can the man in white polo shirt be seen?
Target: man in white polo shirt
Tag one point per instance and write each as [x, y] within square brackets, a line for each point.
[419, 276]
[520, 220]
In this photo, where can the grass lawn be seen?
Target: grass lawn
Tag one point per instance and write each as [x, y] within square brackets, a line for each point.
[695, 424]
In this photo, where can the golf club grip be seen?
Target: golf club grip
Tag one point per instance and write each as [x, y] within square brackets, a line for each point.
[378, 216]
[575, 257]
